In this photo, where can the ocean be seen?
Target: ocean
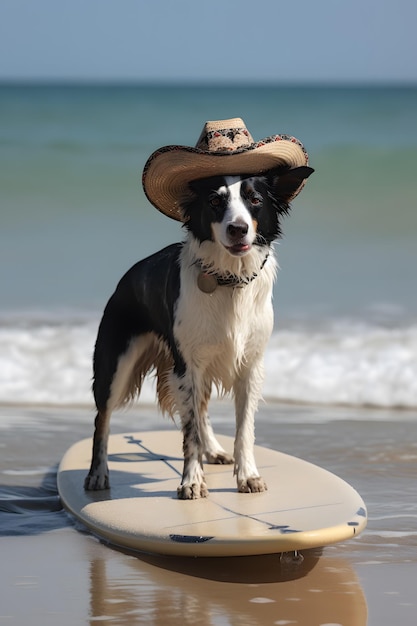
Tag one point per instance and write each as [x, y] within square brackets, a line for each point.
[74, 218]
[341, 366]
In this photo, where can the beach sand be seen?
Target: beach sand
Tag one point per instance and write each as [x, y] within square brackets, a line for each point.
[54, 572]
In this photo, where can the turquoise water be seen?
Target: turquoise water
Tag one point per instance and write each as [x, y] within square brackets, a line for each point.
[74, 215]
[74, 218]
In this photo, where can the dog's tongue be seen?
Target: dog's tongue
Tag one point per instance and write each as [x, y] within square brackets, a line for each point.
[239, 248]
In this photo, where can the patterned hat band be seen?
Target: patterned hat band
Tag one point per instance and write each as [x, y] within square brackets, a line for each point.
[225, 147]
[216, 138]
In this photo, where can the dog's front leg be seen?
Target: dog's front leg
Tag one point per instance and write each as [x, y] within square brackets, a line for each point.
[247, 389]
[192, 485]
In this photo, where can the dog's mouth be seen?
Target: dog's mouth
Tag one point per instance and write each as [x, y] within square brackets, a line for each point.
[239, 249]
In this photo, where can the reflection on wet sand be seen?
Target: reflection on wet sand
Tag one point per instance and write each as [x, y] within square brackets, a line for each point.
[237, 591]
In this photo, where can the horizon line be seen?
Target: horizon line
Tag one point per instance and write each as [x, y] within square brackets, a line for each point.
[224, 83]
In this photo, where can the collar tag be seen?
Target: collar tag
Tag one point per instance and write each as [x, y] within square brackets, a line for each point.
[207, 283]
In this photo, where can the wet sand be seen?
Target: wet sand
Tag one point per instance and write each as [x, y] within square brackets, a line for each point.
[53, 572]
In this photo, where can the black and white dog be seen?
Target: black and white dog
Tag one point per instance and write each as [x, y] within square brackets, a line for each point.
[200, 314]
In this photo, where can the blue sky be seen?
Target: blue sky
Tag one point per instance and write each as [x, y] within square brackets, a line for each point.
[209, 40]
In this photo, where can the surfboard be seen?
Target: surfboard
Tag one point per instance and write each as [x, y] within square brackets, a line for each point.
[304, 507]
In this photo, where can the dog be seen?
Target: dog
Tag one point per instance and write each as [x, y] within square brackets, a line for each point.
[200, 314]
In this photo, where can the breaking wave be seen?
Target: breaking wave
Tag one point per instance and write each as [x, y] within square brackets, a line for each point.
[48, 362]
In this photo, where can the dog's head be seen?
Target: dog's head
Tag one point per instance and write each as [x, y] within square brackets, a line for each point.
[239, 212]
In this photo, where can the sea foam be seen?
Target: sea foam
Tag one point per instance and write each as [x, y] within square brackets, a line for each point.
[342, 362]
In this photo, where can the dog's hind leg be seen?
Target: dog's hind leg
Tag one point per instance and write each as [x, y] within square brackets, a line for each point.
[213, 451]
[98, 476]
[106, 401]
[115, 381]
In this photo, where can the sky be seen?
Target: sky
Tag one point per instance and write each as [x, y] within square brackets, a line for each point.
[330, 41]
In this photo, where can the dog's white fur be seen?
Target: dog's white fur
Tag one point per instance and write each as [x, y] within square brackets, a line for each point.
[225, 342]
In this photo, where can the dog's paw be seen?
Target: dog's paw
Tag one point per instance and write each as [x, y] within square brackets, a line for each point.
[192, 491]
[219, 458]
[96, 482]
[254, 484]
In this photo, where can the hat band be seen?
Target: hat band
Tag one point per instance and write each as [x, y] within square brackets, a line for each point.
[225, 140]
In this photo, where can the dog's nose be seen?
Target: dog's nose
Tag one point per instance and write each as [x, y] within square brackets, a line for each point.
[237, 230]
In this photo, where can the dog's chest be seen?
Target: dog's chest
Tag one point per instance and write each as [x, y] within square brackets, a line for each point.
[228, 326]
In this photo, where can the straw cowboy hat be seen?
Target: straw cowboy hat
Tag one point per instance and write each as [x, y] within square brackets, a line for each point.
[225, 147]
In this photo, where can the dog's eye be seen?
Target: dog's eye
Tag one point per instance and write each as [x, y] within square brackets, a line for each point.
[255, 200]
[215, 201]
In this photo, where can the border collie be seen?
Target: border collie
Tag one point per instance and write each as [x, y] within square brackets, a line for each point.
[200, 314]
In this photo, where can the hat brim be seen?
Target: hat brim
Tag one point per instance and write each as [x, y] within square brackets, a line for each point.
[169, 170]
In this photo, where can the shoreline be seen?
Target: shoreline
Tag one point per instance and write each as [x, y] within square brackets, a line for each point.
[221, 404]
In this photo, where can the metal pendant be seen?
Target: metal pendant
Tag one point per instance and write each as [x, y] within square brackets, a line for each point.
[206, 282]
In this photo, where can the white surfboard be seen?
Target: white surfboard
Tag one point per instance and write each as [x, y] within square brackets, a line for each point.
[305, 506]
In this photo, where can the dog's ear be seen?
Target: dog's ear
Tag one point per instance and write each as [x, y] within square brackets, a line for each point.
[300, 173]
[286, 181]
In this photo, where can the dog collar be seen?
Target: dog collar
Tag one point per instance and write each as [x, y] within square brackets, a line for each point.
[208, 280]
